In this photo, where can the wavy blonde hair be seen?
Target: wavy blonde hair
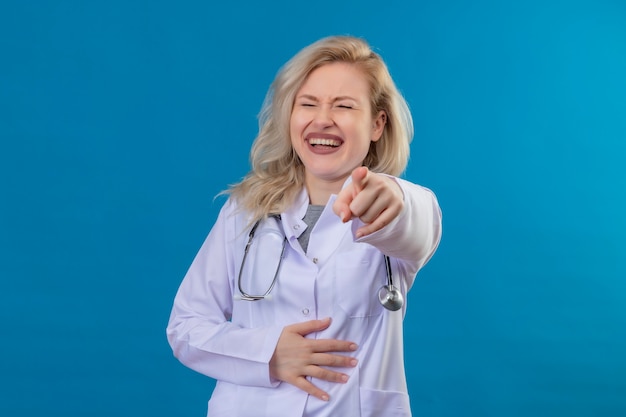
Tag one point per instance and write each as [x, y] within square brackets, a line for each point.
[277, 174]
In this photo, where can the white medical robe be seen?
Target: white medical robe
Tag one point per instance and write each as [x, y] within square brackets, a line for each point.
[233, 340]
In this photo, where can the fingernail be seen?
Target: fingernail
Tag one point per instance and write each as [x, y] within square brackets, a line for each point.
[353, 362]
[325, 397]
[354, 346]
[344, 378]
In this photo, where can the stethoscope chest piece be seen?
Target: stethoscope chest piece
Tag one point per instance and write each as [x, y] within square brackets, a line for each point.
[390, 297]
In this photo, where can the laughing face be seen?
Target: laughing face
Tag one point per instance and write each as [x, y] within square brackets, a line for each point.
[332, 125]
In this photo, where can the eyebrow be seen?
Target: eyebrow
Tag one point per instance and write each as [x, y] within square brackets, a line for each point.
[313, 98]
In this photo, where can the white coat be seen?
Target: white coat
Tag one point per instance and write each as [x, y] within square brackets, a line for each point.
[233, 340]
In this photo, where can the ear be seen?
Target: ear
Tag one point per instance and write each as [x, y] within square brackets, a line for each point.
[378, 125]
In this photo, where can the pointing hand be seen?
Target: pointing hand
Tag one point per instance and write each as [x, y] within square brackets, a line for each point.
[374, 198]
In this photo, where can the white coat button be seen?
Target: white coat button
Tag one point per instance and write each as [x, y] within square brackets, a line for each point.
[296, 227]
[305, 311]
[315, 260]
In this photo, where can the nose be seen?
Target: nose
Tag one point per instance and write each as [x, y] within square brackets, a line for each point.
[323, 117]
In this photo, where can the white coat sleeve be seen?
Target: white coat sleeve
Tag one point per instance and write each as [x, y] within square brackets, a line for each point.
[200, 332]
[413, 236]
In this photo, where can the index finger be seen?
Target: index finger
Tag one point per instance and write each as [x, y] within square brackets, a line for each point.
[310, 326]
[341, 206]
[359, 178]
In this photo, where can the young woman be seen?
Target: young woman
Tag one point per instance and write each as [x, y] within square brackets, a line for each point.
[294, 303]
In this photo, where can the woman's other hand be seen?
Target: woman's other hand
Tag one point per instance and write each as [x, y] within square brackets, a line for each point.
[297, 357]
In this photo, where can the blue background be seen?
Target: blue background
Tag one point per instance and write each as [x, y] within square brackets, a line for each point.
[121, 120]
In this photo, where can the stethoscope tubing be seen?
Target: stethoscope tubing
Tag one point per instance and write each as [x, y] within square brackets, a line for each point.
[392, 299]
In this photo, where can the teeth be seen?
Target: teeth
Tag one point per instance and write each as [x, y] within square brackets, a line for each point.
[325, 142]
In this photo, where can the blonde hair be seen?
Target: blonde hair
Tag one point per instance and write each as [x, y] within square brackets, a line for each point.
[277, 175]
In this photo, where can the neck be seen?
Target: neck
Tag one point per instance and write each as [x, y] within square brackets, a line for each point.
[320, 191]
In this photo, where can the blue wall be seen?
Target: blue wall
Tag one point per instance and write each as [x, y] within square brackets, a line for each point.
[121, 120]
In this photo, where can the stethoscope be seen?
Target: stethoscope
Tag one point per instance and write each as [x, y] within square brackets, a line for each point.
[389, 296]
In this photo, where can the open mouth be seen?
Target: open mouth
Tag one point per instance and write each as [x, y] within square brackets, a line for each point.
[318, 142]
